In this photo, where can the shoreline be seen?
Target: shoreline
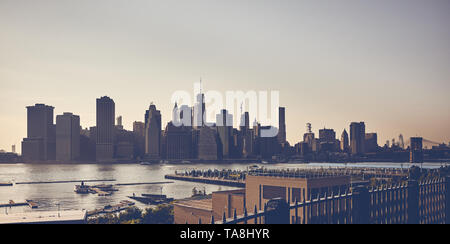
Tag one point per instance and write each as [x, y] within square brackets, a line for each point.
[441, 161]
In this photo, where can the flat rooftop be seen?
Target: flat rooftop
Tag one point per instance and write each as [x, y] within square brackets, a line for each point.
[204, 204]
[38, 217]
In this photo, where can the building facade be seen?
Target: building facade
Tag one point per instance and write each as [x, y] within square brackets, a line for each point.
[105, 129]
[40, 144]
[357, 138]
[67, 137]
[153, 133]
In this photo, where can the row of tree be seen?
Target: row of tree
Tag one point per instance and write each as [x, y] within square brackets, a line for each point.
[163, 214]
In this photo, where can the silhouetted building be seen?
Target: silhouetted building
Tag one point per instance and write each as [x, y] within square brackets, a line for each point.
[13, 148]
[268, 146]
[224, 123]
[357, 138]
[207, 144]
[105, 129]
[199, 111]
[344, 141]
[309, 136]
[153, 132]
[124, 144]
[139, 139]
[88, 145]
[119, 124]
[40, 144]
[67, 137]
[371, 141]
[282, 125]
[245, 122]
[178, 142]
[416, 150]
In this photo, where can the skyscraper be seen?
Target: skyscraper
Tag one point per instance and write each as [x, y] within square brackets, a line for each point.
[344, 141]
[40, 142]
[105, 129]
[119, 125]
[371, 142]
[357, 138]
[207, 144]
[327, 135]
[199, 111]
[153, 132]
[416, 150]
[178, 141]
[224, 122]
[67, 137]
[281, 125]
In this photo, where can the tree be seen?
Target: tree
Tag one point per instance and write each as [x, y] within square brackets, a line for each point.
[162, 214]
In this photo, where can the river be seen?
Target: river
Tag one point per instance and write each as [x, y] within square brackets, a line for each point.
[62, 195]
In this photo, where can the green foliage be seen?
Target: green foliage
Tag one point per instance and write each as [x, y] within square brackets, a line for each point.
[163, 214]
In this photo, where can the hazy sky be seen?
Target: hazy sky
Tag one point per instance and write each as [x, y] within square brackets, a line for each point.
[385, 62]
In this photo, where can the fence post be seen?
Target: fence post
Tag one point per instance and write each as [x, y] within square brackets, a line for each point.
[447, 199]
[413, 202]
[361, 203]
[277, 212]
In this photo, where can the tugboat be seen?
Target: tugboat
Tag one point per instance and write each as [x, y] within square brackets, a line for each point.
[82, 189]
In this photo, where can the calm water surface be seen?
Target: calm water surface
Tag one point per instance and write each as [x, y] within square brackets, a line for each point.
[49, 196]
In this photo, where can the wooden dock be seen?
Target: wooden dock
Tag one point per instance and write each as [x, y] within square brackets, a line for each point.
[12, 203]
[212, 181]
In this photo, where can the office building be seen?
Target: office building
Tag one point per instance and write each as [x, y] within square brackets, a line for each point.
[40, 144]
[105, 129]
[207, 143]
[357, 138]
[153, 132]
[371, 141]
[344, 142]
[416, 150]
[67, 137]
[178, 142]
[282, 125]
[224, 123]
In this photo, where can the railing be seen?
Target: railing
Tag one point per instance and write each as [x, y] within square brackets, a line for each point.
[426, 202]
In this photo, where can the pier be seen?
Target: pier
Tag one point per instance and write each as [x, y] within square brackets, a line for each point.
[123, 205]
[12, 203]
[145, 183]
[61, 181]
[212, 181]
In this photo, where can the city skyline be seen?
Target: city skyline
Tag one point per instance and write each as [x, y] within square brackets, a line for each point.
[384, 64]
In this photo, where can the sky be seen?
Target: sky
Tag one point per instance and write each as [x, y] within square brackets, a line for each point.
[384, 62]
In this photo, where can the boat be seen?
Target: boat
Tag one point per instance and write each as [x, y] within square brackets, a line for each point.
[253, 167]
[82, 189]
[104, 187]
[152, 199]
[145, 163]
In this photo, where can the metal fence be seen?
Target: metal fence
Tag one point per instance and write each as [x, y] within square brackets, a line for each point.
[414, 202]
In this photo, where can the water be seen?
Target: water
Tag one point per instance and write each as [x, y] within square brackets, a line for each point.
[50, 196]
